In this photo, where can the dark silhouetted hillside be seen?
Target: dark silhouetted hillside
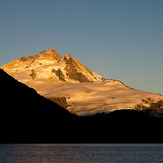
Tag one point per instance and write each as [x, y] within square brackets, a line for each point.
[27, 117]
[125, 126]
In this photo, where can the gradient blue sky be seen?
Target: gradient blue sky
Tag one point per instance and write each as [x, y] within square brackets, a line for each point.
[118, 39]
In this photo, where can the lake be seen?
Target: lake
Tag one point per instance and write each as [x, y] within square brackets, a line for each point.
[81, 153]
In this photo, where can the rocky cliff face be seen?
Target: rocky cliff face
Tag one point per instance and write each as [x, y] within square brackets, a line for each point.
[49, 65]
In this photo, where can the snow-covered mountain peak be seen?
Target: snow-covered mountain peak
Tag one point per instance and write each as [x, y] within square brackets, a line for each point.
[51, 53]
[86, 92]
[49, 65]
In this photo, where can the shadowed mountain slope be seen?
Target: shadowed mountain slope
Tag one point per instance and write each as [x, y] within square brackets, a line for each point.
[26, 114]
[26, 117]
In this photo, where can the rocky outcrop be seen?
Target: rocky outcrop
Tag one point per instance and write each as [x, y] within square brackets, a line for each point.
[33, 74]
[59, 74]
[61, 101]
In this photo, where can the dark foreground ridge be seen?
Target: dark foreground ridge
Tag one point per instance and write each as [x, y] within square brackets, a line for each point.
[27, 117]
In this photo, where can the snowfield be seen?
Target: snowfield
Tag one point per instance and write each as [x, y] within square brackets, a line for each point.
[92, 98]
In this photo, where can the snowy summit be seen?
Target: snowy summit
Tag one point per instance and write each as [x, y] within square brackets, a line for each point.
[49, 65]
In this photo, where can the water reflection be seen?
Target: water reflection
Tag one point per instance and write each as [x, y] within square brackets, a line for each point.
[79, 153]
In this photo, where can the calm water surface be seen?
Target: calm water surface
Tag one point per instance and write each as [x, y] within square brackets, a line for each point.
[81, 153]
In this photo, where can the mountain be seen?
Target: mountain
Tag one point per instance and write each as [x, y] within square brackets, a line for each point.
[86, 92]
[50, 66]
